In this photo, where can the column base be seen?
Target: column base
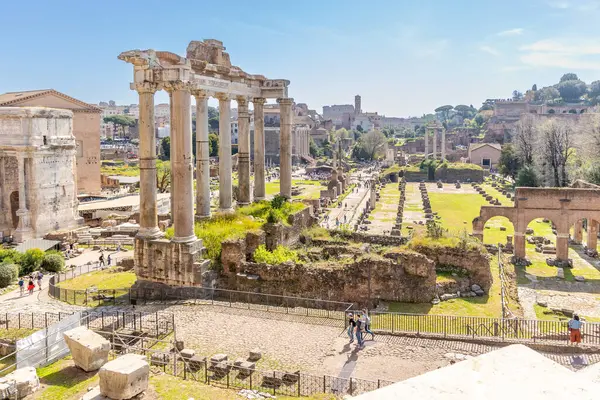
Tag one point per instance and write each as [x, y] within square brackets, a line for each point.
[198, 218]
[229, 210]
[239, 203]
[150, 233]
[184, 239]
[259, 199]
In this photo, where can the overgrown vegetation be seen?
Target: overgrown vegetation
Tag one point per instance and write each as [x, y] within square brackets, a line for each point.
[280, 255]
[276, 210]
[53, 262]
[29, 261]
[8, 274]
[316, 232]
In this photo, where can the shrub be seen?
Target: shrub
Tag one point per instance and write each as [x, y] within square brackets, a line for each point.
[8, 274]
[273, 217]
[278, 201]
[53, 262]
[31, 260]
[279, 255]
[10, 256]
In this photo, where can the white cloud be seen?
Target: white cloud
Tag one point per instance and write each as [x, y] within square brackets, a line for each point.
[574, 53]
[489, 50]
[511, 32]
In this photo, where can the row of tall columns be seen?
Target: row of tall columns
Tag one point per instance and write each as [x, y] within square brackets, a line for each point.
[434, 139]
[285, 147]
[182, 194]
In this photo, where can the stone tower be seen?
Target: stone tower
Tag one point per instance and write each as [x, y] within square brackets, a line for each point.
[357, 104]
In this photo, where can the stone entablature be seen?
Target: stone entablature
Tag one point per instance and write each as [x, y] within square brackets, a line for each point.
[37, 171]
[565, 207]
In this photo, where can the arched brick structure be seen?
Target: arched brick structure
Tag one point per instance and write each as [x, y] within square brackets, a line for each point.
[564, 206]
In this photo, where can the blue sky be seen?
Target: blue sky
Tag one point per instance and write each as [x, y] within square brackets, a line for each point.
[404, 57]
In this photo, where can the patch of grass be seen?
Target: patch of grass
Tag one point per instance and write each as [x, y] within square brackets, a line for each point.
[261, 209]
[15, 334]
[63, 380]
[280, 255]
[316, 232]
[103, 280]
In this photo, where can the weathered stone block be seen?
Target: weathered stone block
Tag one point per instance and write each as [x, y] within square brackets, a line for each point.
[8, 388]
[196, 363]
[218, 358]
[89, 349]
[255, 355]
[125, 377]
[187, 353]
[160, 359]
[26, 381]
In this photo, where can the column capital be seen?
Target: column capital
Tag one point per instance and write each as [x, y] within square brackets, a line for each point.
[285, 100]
[259, 100]
[199, 93]
[145, 87]
[242, 101]
[223, 96]
[171, 86]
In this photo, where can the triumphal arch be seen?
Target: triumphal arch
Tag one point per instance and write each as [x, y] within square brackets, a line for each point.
[565, 207]
[205, 71]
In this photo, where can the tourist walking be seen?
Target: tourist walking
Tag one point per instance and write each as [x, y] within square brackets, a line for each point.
[39, 277]
[575, 330]
[108, 260]
[21, 286]
[360, 328]
[368, 324]
[30, 286]
[101, 260]
[351, 327]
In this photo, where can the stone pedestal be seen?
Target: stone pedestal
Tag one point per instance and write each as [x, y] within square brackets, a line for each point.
[26, 381]
[562, 246]
[125, 377]
[88, 349]
[171, 263]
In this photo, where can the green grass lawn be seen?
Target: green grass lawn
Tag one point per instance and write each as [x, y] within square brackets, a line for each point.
[15, 334]
[457, 210]
[386, 208]
[102, 280]
[495, 193]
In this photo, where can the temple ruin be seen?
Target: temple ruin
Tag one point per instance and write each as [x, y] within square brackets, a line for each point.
[205, 71]
[565, 207]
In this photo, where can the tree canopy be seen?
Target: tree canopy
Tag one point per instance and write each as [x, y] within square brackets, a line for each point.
[570, 76]
[122, 121]
[571, 90]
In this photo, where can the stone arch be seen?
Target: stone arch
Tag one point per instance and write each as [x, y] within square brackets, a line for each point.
[551, 111]
[494, 224]
[577, 226]
[487, 212]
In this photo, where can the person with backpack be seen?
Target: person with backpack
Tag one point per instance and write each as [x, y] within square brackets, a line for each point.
[360, 328]
[21, 285]
[351, 327]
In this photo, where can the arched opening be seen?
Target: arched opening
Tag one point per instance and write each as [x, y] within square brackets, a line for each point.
[543, 246]
[497, 229]
[551, 111]
[577, 231]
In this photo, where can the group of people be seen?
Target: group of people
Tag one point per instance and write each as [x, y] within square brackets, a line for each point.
[31, 286]
[359, 325]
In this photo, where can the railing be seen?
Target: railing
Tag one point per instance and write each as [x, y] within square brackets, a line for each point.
[73, 272]
[162, 354]
[30, 320]
[505, 329]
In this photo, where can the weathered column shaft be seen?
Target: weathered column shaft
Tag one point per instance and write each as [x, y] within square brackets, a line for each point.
[435, 135]
[259, 149]
[519, 244]
[285, 147]
[562, 246]
[147, 155]
[426, 138]
[443, 144]
[181, 165]
[243, 151]
[225, 195]
[202, 157]
[592, 234]
[22, 185]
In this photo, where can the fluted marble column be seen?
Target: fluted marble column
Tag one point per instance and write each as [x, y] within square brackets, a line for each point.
[225, 196]
[181, 164]
[147, 154]
[202, 156]
[285, 147]
[259, 148]
[243, 151]
[426, 138]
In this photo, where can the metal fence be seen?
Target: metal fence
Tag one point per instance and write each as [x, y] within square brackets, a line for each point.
[30, 320]
[520, 330]
[164, 355]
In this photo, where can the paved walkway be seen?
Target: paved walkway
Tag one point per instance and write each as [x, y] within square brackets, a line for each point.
[354, 203]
